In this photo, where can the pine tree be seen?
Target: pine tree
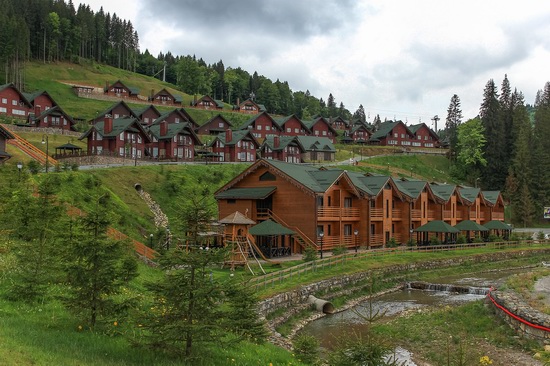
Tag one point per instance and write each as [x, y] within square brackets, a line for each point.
[519, 178]
[454, 119]
[331, 106]
[495, 172]
[540, 156]
[360, 114]
[97, 266]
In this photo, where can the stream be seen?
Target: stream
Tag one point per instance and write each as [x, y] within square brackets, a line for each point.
[330, 328]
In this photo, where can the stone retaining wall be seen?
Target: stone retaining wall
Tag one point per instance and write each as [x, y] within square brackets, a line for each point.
[293, 302]
[515, 305]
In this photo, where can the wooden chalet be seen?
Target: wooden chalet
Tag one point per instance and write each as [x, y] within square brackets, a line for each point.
[47, 113]
[492, 208]
[124, 137]
[249, 106]
[320, 127]
[174, 141]
[326, 208]
[214, 126]
[235, 146]
[292, 126]
[358, 134]
[147, 115]
[117, 110]
[208, 103]
[189, 118]
[339, 124]
[283, 148]
[5, 135]
[164, 97]
[262, 125]
[317, 149]
[13, 103]
[173, 116]
[392, 133]
[120, 90]
[423, 136]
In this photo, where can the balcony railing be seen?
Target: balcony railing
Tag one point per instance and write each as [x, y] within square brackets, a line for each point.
[431, 214]
[447, 215]
[397, 214]
[498, 215]
[339, 212]
[376, 213]
[416, 214]
[376, 239]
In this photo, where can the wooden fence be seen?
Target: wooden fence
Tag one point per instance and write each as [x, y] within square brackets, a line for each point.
[272, 278]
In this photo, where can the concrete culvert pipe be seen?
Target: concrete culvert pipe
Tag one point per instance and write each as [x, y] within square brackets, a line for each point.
[137, 187]
[321, 305]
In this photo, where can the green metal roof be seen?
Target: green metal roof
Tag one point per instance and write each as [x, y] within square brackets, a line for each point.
[469, 194]
[173, 130]
[284, 141]
[469, 225]
[497, 225]
[437, 226]
[491, 196]
[321, 144]
[385, 128]
[255, 193]
[301, 173]
[411, 188]
[237, 135]
[269, 227]
[443, 191]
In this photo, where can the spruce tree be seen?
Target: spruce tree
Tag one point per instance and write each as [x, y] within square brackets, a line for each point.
[495, 172]
[454, 119]
[540, 162]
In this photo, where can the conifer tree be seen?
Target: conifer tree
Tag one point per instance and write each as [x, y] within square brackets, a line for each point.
[454, 119]
[495, 172]
[97, 266]
[540, 163]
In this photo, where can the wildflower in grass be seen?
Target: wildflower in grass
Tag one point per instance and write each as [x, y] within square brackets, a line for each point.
[115, 323]
[79, 328]
[485, 360]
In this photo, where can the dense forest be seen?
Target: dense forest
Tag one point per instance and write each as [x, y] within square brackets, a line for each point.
[505, 148]
[54, 31]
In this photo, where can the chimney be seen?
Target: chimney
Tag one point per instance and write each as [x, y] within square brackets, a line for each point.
[276, 142]
[228, 136]
[163, 128]
[108, 124]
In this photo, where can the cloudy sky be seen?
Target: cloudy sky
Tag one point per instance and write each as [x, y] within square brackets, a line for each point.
[398, 58]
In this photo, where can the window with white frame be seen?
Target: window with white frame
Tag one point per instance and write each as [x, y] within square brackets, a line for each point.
[14, 102]
[259, 127]
[4, 100]
[18, 112]
[121, 136]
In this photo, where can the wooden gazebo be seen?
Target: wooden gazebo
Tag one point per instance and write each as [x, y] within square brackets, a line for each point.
[445, 232]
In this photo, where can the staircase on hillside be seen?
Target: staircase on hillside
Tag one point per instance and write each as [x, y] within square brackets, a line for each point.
[300, 237]
[30, 149]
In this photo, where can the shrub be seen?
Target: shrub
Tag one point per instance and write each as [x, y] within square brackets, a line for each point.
[310, 254]
[434, 240]
[461, 239]
[339, 249]
[33, 166]
[306, 348]
[392, 243]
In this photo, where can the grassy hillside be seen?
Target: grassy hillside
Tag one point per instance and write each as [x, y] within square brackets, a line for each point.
[56, 77]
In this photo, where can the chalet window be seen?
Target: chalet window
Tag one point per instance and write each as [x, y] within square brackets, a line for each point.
[232, 201]
[392, 228]
[387, 208]
[14, 102]
[121, 151]
[296, 130]
[116, 115]
[373, 204]
[419, 137]
[316, 133]
[177, 120]
[18, 112]
[396, 135]
[220, 124]
[146, 120]
[267, 176]
[347, 229]
[319, 201]
[402, 135]
[4, 100]
[372, 229]
[267, 128]
[121, 136]
[139, 139]
[387, 186]
[324, 133]
[288, 129]
[347, 202]
[319, 229]
[3, 110]
[99, 150]
[259, 127]
[425, 138]
[175, 139]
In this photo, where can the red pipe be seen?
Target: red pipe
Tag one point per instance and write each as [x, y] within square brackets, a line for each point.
[536, 326]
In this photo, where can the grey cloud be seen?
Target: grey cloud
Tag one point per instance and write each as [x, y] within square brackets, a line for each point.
[281, 18]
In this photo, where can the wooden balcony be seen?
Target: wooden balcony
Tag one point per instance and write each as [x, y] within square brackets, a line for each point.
[376, 213]
[498, 216]
[416, 214]
[459, 215]
[431, 215]
[337, 213]
[397, 214]
[447, 215]
[376, 240]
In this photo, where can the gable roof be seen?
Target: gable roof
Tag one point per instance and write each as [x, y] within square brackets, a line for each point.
[189, 117]
[443, 191]
[55, 111]
[270, 227]
[436, 226]
[246, 193]
[469, 194]
[119, 125]
[217, 102]
[132, 89]
[469, 225]
[260, 107]
[32, 96]
[282, 120]
[284, 141]
[237, 218]
[253, 119]
[492, 197]
[385, 129]
[237, 136]
[213, 119]
[177, 98]
[110, 110]
[174, 129]
[165, 115]
[310, 124]
[321, 144]
[21, 95]
[414, 128]
[140, 111]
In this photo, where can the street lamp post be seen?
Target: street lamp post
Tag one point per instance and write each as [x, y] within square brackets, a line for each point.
[205, 154]
[19, 167]
[477, 179]
[151, 241]
[321, 234]
[356, 233]
[45, 140]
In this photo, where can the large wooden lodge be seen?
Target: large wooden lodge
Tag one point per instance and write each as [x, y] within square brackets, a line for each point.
[331, 207]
